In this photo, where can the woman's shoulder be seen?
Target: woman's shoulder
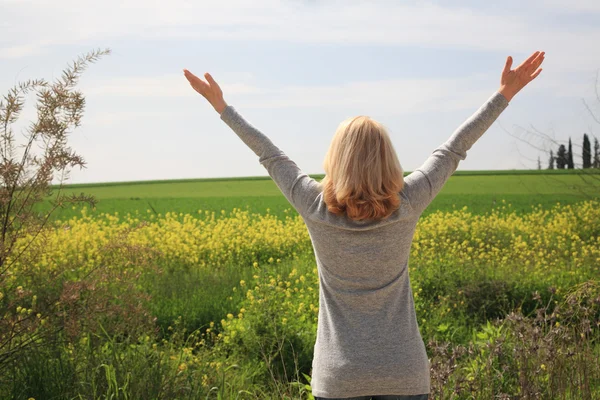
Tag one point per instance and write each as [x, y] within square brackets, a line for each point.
[319, 215]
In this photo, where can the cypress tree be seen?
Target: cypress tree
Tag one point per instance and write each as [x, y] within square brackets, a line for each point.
[596, 153]
[570, 163]
[587, 152]
[561, 157]
[551, 161]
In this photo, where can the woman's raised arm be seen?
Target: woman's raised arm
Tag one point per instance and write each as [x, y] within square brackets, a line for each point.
[424, 183]
[298, 188]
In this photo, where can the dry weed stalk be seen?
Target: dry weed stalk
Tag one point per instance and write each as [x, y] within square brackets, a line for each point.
[26, 181]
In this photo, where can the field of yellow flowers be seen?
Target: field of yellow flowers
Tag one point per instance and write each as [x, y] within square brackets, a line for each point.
[224, 305]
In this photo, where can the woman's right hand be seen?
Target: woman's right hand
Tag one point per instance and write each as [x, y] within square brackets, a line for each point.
[209, 89]
[512, 81]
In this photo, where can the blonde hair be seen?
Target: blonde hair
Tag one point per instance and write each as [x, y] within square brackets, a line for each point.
[363, 175]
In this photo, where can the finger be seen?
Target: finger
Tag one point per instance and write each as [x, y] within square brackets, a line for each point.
[531, 58]
[539, 71]
[535, 64]
[198, 84]
[191, 77]
[537, 60]
[188, 74]
[507, 65]
[540, 59]
[210, 80]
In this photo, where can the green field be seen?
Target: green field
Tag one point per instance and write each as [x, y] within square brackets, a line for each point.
[480, 191]
[225, 306]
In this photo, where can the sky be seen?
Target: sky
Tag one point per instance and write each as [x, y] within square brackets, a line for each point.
[296, 68]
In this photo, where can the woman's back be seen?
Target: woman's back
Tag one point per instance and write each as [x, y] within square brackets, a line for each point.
[367, 330]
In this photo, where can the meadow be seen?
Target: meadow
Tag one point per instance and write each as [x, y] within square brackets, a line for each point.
[481, 191]
[208, 289]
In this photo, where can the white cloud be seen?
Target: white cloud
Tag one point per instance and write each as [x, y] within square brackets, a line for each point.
[19, 51]
[42, 24]
[110, 118]
[392, 96]
[572, 6]
[155, 86]
[397, 96]
[386, 96]
[70, 21]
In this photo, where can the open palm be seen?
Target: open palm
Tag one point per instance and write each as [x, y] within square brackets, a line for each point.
[512, 81]
[210, 89]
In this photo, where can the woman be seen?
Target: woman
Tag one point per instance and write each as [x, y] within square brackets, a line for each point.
[361, 219]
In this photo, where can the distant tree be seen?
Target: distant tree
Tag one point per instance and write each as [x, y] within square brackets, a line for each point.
[570, 163]
[586, 181]
[539, 163]
[561, 157]
[596, 153]
[587, 152]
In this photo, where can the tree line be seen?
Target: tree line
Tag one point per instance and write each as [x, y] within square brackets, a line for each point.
[564, 156]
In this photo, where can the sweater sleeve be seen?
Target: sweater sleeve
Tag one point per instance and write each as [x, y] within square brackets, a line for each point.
[297, 187]
[424, 183]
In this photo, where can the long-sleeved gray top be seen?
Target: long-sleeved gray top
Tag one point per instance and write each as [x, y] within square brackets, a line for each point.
[368, 340]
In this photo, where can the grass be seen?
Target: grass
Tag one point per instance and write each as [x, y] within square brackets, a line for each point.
[480, 191]
[198, 296]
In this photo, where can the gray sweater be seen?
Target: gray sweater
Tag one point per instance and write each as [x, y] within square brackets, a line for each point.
[368, 340]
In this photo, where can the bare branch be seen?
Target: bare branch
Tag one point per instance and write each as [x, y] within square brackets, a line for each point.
[541, 141]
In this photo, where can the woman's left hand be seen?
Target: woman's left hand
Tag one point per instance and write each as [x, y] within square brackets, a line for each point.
[512, 81]
[210, 90]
